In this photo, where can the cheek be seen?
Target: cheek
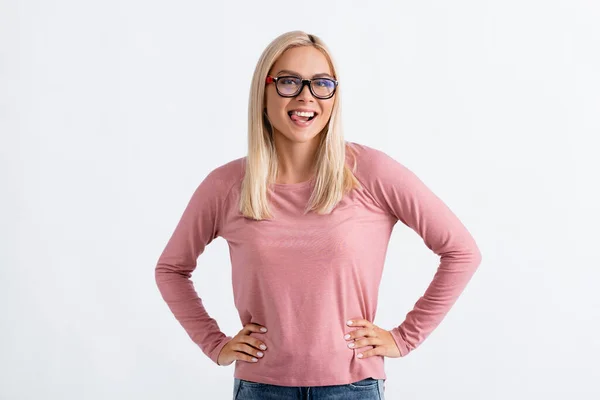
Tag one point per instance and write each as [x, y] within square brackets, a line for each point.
[276, 106]
[327, 108]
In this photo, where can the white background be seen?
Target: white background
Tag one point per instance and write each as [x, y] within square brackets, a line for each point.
[112, 112]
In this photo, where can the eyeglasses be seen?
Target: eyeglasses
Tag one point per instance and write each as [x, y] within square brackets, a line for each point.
[292, 86]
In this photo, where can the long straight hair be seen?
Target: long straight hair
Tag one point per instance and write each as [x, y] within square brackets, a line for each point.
[333, 177]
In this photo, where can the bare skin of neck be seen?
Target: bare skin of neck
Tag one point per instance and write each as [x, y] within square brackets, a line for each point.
[296, 159]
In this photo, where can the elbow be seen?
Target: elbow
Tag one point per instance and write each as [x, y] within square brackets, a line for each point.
[467, 255]
[471, 251]
[171, 270]
[159, 274]
[476, 252]
[162, 273]
[475, 256]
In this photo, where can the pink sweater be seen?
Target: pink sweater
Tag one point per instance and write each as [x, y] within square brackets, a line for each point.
[304, 276]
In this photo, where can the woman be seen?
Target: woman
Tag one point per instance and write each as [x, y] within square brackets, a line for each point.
[308, 217]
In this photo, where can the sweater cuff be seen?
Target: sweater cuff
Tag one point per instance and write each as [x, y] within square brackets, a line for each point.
[214, 355]
[400, 342]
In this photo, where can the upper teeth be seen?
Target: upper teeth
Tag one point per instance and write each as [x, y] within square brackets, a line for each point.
[304, 113]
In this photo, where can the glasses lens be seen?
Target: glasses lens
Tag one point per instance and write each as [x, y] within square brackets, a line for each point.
[323, 87]
[288, 85]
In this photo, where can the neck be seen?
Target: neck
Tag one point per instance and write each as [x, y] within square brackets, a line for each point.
[296, 160]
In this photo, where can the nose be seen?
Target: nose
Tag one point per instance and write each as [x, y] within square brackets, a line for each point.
[305, 94]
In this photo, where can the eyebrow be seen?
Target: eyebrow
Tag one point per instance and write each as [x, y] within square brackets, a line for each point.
[287, 71]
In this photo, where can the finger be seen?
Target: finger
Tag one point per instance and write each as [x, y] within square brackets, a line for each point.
[252, 341]
[367, 342]
[359, 322]
[370, 353]
[245, 357]
[252, 327]
[358, 333]
[251, 351]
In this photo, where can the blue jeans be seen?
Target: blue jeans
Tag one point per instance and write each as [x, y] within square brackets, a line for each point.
[366, 389]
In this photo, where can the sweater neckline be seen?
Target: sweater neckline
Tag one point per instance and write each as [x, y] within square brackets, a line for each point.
[293, 186]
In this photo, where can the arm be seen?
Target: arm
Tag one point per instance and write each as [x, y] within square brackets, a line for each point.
[401, 193]
[198, 226]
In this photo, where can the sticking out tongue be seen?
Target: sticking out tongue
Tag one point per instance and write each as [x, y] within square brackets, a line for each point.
[298, 118]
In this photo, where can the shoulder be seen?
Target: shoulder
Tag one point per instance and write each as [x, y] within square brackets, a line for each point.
[230, 171]
[224, 177]
[372, 162]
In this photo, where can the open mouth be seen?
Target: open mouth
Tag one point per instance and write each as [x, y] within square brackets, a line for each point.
[302, 118]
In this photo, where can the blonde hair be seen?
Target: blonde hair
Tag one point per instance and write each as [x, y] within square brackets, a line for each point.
[333, 177]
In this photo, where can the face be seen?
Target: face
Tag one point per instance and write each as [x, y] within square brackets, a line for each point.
[306, 62]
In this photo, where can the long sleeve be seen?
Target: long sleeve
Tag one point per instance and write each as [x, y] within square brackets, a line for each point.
[197, 227]
[401, 193]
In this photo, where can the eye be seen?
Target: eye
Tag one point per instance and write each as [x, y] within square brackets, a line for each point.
[324, 83]
[288, 81]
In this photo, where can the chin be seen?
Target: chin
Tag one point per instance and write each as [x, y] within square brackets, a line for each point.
[299, 136]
